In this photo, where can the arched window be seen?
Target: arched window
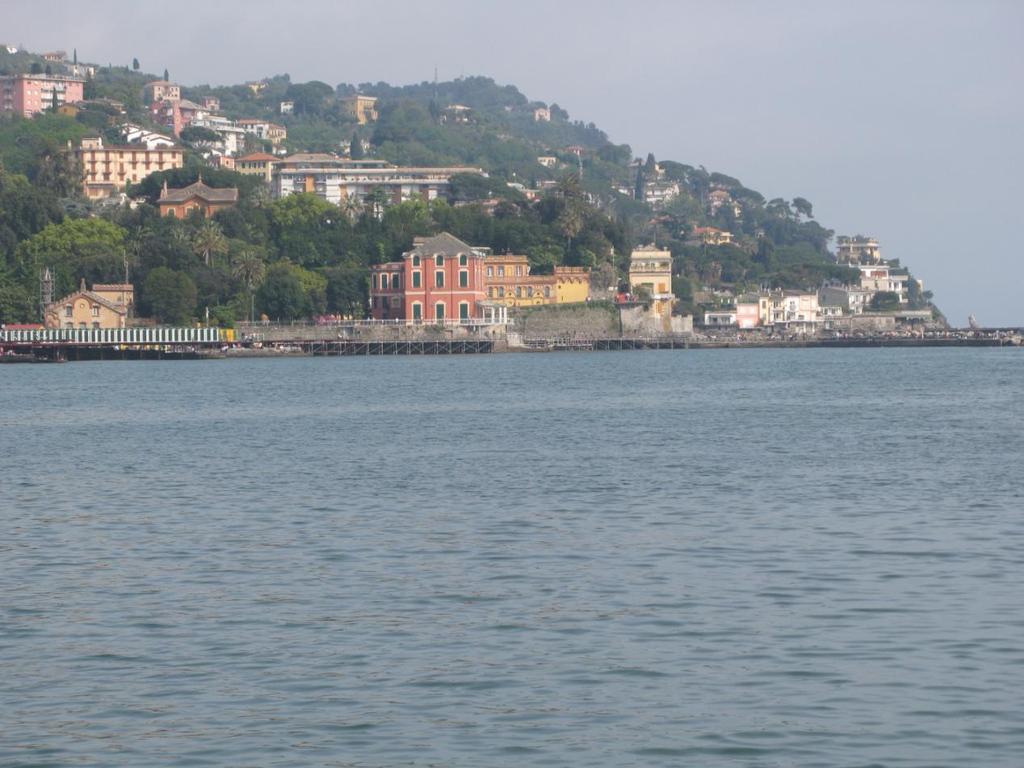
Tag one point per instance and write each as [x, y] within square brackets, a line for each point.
[439, 260]
[395, 281]
[415, 261]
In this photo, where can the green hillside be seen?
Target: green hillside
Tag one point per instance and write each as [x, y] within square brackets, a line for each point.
[301, 255]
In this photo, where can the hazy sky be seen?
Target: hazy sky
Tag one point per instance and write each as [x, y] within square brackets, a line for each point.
[901, 120]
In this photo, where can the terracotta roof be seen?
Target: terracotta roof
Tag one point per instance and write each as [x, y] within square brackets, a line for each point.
[255, 157]
[199, 189]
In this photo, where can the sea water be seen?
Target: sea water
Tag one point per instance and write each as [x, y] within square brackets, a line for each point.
[713, 558]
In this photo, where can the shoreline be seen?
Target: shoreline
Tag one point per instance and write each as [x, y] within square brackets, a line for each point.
[70, 353]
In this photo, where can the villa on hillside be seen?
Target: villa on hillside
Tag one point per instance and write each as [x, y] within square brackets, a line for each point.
[180, 203]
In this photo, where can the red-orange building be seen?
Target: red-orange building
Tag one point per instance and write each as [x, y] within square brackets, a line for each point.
[440, 279]
[196, 197]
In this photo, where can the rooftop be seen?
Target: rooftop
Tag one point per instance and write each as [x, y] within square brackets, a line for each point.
[199, 189]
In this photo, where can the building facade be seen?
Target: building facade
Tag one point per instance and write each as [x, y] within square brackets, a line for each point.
[650, 272]
[28, 95]
[110, 169]
[362, 108]
[510, 283]
[857, 250]
[442, 279]
[878, 278]
[338, 180]
[265, 130]
[180, 203]
[159, 90]
[105, 306]
[851, 301]
[256, 164]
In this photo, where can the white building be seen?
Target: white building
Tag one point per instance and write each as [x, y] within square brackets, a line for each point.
[877, 278]
[720, 319]
[794, 311]
[850, 300]
[136, 134]
[232, 135]
[338, 179]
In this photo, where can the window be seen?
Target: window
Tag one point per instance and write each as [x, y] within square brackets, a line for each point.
[439, 279]
[547, 291]
[96, 325]
[490, 293]
[463, 310]
[501, 271]
[439, 260]
[519, 271]
[415, 261]
[416, 279]
[417, 311]
[490, 271]
[95, 310]
[463, 260]
[439, 311]
[501, 291]
[463, 278]
[519, 291]
[395, 281]
[68, 311]
[529, 291]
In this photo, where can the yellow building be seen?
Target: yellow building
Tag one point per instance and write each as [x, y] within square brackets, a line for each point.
[509, 282]
[105, 306]
[572, 285]
[362, 108]
[256, 164]
[110, 169]
[650, 271]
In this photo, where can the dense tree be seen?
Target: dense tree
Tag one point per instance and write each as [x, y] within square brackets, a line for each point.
[170, 296]
[281, 296]
[75, 249]
[135, 64]
[248, 268]
[209, 241]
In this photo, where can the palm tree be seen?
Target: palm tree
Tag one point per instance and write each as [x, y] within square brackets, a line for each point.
[209, 241]
[249, 269]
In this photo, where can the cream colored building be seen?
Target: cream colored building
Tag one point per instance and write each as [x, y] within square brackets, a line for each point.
[712, 236]
[110, 169]
[857, 250]
[650, 270]
[161, 90]
[256, 164]
[105, 306]
[362, 108]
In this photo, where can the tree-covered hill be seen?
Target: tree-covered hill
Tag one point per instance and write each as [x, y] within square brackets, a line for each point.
[589, 203]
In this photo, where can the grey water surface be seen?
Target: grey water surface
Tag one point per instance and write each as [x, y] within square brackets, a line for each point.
[713, 558]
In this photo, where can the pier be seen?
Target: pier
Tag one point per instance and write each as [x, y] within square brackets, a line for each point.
[369, 338]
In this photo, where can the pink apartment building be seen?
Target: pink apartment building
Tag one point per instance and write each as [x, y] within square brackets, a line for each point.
[28, 95]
